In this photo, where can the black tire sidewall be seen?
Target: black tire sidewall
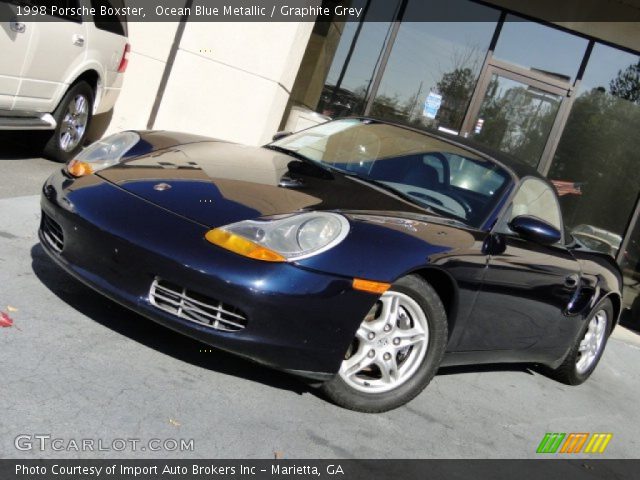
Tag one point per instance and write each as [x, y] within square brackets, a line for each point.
[426, 297]
[52, 149]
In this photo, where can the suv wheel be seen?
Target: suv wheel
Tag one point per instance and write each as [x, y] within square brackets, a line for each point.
[73, 116]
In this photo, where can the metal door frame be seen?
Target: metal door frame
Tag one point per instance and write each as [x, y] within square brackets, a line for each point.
[626, 237]
[564, 89]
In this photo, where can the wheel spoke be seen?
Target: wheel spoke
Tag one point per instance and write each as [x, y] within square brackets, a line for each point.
[356, 362]
[82, 119]
[80, 104]
[64, 140]
[388, 369]
[390, 310]
[584, 345]
[364, 330]
[409, 337]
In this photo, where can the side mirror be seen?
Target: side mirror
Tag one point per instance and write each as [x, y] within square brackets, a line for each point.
[280, 135]
[535, 230]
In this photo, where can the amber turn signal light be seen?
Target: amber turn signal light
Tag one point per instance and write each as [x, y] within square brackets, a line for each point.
[370, 286]
[242, 246]
[79, 169]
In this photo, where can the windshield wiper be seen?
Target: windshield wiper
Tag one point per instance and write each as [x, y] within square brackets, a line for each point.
[286, 151]
[294, 154]
[318, 163]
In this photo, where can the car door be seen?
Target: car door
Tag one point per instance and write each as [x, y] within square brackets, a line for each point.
[56, 51]
[14, 45]
[527, 286]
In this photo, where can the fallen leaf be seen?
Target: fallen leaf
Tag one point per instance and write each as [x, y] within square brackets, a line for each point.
[278, 454]
[173, 422]
[12, 309]
[5, 320]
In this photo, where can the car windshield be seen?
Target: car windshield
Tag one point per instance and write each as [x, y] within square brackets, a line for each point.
[431, 173]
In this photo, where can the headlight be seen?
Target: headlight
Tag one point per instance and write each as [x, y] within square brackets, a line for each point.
[282, 240]
[102, 154]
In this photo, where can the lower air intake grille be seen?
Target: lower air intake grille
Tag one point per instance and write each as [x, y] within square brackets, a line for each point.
[195, 307]
[52, 233]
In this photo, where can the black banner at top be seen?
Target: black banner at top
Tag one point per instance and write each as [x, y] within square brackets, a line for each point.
[315, 10]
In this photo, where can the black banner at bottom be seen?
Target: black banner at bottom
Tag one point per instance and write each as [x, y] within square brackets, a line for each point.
[312, 469]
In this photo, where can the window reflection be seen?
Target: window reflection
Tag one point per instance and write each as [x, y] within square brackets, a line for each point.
[350, 76]
[433, 68]
[541, 49]
[516, 118]
[595, 167]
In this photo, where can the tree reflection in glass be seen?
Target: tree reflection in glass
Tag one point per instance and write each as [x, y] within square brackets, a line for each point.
[600, 147]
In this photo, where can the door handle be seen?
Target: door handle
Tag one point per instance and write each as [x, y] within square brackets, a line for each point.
[78, 39]
[571, 281]
[18, 27]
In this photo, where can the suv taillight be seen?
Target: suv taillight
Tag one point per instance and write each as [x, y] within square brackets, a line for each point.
[125, 59]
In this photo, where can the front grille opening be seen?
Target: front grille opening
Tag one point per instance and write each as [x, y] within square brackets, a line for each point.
[52, 233]
[195, 307]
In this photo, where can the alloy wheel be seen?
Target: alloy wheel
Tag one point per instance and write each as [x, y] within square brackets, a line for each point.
[74, 123]
[591, 344]
[389, 346]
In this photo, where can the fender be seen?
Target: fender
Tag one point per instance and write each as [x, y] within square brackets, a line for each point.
[75, 73]
[416, 243]
[606, 277]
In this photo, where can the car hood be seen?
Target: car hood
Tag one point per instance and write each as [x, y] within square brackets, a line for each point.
[216, 183]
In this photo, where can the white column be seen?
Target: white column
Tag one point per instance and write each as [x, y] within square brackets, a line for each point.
[150, 47]
[232, 80]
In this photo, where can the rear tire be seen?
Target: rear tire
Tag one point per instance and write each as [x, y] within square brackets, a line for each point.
[393, 356]
[73, 116]
[585, 354]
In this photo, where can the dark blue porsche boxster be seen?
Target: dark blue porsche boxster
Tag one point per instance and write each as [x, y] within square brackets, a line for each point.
[358, 254]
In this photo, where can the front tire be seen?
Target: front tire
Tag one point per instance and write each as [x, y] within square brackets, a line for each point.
[72, 116]
[587, 351]
[396, 351]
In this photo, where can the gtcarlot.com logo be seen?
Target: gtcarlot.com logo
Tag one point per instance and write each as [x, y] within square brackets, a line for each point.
[46, 442]
[574, 442]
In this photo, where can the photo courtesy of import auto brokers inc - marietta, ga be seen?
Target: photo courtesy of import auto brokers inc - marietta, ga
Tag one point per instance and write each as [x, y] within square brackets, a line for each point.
[357, 254]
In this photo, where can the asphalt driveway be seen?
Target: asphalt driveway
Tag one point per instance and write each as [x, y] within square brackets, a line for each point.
[77, 366]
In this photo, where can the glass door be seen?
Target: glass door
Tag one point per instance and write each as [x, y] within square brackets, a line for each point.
[514, 114]
[629, 258]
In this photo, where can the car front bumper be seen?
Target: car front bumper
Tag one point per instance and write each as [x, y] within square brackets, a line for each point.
[298, 320]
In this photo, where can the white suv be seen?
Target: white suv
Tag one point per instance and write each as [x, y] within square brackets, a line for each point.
[60, 69]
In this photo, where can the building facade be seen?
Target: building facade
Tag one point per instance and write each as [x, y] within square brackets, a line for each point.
[562, 96]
